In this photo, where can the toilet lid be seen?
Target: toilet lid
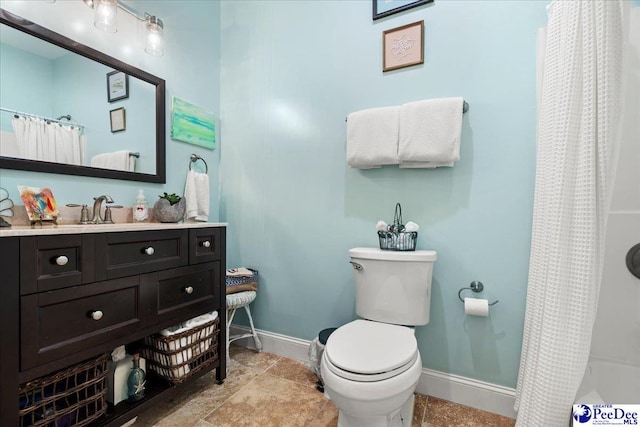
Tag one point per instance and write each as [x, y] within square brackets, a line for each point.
[367, 347]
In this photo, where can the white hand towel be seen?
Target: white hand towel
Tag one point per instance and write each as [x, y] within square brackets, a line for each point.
[430, 132]
[196, 194]
[118, 160]
[372, 137]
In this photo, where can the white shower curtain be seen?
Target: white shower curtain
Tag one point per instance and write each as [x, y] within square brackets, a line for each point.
[50, 142]
[578, 136]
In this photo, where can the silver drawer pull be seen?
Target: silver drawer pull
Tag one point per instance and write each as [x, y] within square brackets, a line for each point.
[97, 315]
[62, 260]
[149, 250]
[206, 243]
[188, 290]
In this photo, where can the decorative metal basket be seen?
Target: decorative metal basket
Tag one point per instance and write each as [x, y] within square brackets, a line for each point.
[395, 238]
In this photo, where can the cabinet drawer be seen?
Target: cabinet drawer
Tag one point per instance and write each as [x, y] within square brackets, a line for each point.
[58, 323]
[54, 262]
[187, 291]
[127, 254]
[205, 244]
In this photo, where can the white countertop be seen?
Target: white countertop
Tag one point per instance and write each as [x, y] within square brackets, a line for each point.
[49, 229]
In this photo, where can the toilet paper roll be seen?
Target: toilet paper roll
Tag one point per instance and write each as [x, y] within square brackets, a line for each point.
[476, 306]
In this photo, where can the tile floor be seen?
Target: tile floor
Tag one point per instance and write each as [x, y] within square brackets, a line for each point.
[263, 389]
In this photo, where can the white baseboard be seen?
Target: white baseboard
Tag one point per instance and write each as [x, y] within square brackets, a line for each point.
[454, 388]
[468, 391]
[281, 345]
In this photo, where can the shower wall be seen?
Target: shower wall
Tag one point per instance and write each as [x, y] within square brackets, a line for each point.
[616, 334]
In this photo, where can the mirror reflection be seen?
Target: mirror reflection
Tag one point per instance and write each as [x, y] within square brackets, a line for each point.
[67, 108]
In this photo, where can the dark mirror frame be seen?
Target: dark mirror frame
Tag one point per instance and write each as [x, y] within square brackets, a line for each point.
[35, 30]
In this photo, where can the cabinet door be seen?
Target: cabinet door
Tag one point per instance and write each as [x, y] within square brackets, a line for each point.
[127, 254]
[55, 262]
[59, 323]
[188, 291]
[206, 244]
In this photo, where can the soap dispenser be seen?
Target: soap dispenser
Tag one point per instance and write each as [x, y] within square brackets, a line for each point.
[141, 209]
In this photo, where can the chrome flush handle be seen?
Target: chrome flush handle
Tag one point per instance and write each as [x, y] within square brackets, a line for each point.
[356, 266]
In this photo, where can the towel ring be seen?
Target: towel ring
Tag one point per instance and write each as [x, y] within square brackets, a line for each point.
[195, 158]
[475, 286]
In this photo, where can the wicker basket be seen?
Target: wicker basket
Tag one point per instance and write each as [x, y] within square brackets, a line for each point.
[74, 396]
[177, 357]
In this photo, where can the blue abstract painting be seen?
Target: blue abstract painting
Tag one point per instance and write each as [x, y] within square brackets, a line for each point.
[192, 124]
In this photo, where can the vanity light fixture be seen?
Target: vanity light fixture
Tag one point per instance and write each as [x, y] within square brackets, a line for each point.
[105, 13]
[155, 38]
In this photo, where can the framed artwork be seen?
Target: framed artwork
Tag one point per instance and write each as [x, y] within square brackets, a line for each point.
[118, 120]
[39, 203]
[403, 46]
[117, 86]
[192, 124]
[382, 8]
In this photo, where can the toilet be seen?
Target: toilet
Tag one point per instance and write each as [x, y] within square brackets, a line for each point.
[371, 366]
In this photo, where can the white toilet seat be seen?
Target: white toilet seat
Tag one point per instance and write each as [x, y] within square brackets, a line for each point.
[367, 351]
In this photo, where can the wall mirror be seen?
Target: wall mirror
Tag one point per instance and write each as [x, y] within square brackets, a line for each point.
[69, 109]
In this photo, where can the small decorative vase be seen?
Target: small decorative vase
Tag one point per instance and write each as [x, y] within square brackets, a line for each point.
[135, 382]
[164, 211]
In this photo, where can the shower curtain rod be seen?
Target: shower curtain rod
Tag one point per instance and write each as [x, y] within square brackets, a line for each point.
[48, 119]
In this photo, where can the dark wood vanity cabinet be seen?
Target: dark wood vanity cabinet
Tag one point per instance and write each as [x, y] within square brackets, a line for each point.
[65, 298]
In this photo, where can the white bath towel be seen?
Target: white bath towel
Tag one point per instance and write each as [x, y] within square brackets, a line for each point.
[196, 194]
[118, 160]
[430, 133]
[372, 137]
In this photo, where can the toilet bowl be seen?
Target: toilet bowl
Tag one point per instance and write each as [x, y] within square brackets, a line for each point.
[371, 366]
[370, 371]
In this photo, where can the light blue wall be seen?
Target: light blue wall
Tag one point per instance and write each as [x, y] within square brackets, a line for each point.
[80, 83]
[291, 71]
[190, 67]
[35, 75]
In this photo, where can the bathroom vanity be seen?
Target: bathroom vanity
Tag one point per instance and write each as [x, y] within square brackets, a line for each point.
[70, 293]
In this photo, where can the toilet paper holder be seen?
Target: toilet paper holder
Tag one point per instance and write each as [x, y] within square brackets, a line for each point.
[476, 287]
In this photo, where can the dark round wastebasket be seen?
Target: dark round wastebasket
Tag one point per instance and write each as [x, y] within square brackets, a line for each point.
[323, 336]
[319, 344]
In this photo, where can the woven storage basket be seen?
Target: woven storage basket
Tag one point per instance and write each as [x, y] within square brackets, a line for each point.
[75, 396]
[177, 357]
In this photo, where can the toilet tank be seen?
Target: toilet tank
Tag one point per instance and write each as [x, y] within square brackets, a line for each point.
[393, 287]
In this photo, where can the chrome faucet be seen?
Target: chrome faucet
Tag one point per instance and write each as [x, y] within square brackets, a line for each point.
[97, 206]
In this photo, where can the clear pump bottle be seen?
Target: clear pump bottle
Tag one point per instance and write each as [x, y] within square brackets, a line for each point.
[141, 209]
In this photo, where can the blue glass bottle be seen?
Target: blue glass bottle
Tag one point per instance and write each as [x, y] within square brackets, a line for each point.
[135, 382]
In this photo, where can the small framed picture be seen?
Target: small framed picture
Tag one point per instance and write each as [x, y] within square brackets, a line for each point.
[403, 46]
[382, 8]
[118, 120]
[117, 86]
